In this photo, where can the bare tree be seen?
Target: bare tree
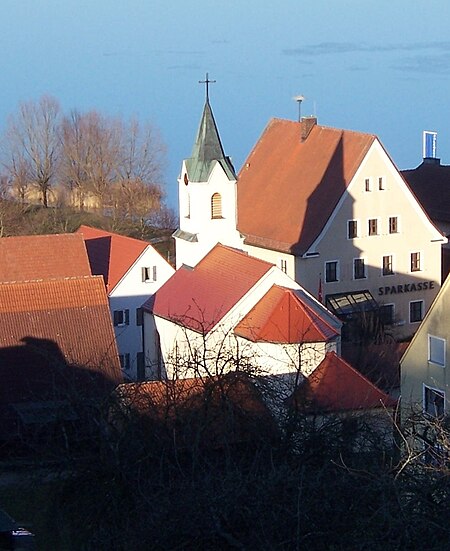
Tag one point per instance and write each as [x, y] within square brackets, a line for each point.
[32, 147]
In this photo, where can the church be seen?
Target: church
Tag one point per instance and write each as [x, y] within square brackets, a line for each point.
[327, 206]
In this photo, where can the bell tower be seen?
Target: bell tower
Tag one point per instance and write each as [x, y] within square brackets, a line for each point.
[207, 194]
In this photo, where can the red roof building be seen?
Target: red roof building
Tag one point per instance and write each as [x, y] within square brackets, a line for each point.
[132, 271]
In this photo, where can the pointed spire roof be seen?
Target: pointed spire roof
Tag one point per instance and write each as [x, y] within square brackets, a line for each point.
[207, 150]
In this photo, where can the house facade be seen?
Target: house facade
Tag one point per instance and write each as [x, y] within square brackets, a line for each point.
[425, 371]
[330, 208]
[132, 271]
[232, 311]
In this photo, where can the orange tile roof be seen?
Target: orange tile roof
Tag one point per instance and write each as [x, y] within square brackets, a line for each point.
[281, 316]
[110, 254]
[288, 188]
[336, 386]
[199, 297]
[33, 257]
[48, 324]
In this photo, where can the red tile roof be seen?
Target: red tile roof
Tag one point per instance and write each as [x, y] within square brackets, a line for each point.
[34, 257]
[46, 325]
[336, 386]
[288, 188]
[110, 254]
[430, 183]
[199, 297]
[281, 316]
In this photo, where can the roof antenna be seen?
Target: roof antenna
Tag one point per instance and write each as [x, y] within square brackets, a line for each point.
[207, 82]
[299, 100]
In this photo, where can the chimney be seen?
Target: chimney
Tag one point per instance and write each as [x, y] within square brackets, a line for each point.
[307, 124]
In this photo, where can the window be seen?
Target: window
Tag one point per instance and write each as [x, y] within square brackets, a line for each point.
[140, 366]
[188, 205]
[387, 314]
[415, 311]
[373, 226]
[121, 317]
[283, 265]
[331, 271]
[367, 184]
[436, 350]
[216, 206]
[359, 270]
[139, 316]
[149, 274]
[352, 229]
[387, 265]
[415, 262]
[393, 224]
[381, 183]
[124, 361]
[433, 401]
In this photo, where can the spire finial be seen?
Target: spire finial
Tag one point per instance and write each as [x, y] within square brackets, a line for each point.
[207, 82]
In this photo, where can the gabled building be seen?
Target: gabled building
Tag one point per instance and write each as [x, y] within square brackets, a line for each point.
[430, 183]
[56, 334]
[234, 310]
[132, 271]
[329, 207]
[425, 369]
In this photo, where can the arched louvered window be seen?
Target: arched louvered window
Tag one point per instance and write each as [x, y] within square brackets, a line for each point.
[216, 206]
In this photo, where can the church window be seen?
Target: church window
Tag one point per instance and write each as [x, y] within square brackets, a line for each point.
[216, 206]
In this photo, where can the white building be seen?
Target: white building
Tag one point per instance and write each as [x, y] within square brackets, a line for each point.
[132, 270]
[232, 311]
[330, 208]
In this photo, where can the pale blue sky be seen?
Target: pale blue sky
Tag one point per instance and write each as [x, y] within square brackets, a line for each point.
[377, 66]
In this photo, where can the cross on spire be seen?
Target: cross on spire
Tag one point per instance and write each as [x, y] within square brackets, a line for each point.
[207, 82]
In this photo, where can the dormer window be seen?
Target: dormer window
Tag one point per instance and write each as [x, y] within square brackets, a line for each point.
[216, 206]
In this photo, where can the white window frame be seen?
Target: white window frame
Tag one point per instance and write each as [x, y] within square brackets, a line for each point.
[424, 402]
[409, 310]
[365, 268]
[337, 270]
[283, 265]
[432, 358]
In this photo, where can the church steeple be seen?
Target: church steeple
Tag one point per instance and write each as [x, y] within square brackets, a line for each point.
[207, 195]
[207, 149]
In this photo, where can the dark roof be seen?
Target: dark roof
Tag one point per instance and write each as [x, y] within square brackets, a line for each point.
[225, 409]
[304, 178]
[430, 183]
[207, 150]
[48, 325]
[34, 257]
[199, 297]
[283, 316]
